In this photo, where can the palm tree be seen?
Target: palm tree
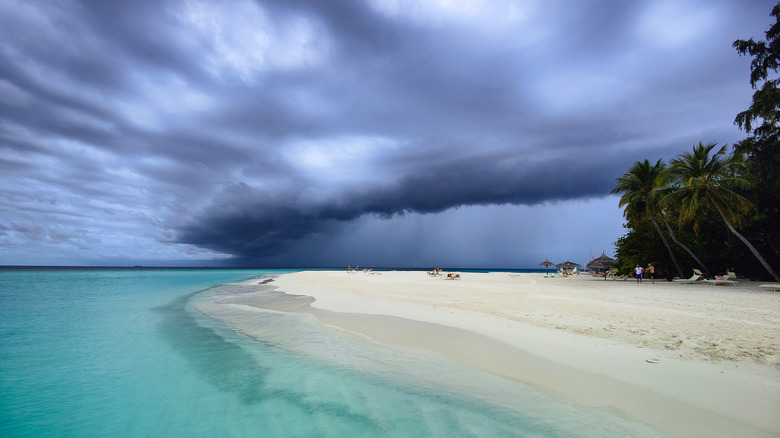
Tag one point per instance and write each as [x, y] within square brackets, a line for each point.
[680, 244]
[662, 211]
[711, 182]
[641, 197]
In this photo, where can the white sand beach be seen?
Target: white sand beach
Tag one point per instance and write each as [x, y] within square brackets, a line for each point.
[693, 360]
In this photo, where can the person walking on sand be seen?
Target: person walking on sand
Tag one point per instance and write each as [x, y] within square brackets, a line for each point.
[639, 271]
[651, 270]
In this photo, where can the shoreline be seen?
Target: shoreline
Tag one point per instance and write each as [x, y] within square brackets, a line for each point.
[577, 336]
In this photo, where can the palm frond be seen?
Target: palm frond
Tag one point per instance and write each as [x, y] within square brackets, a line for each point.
[707, 179]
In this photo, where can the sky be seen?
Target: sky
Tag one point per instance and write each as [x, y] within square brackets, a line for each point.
[295, 133]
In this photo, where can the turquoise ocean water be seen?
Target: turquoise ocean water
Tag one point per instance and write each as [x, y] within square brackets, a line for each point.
[145, 353]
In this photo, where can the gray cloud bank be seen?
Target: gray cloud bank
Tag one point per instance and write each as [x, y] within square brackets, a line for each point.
[239, 128]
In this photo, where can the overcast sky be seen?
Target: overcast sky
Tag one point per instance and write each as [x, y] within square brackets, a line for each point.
[458, 133]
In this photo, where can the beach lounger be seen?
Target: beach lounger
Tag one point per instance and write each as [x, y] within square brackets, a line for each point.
[771, 286]
[693, 278]
[716, 282]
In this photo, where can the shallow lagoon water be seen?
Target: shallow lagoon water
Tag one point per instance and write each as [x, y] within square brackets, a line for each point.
[195, 353]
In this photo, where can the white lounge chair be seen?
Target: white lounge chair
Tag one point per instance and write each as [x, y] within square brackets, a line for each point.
[694, 278]
[771, 286]
[715, 282]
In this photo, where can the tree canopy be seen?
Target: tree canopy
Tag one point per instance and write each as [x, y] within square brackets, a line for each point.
[766, 60]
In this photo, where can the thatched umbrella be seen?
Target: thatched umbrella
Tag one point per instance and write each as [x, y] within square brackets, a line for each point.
[546, 263]
[567, 265]
[601, 262]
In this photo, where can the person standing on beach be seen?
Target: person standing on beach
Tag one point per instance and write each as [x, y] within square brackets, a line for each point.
[651, 270]
[639, 271]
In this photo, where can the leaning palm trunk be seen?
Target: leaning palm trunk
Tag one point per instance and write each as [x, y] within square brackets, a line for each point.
[668, 248]
[745, 241]
[674, 238]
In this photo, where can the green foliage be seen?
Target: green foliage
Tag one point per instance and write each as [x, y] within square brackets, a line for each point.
[762, 147]
[708, 181]
[763, 168]
[766, 60]
[718, 248]
[642, 191]
[639, 189]
[705, 188]
[640, 246]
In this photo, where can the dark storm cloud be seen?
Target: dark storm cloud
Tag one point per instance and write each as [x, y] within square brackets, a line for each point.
[243, 127]
[274, 220]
